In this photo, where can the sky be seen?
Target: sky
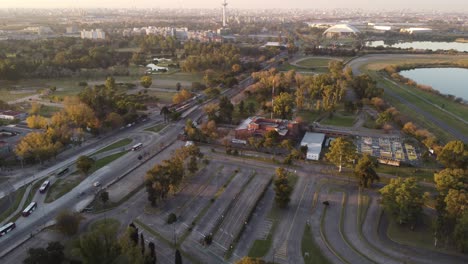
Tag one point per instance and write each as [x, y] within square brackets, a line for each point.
[447, 5]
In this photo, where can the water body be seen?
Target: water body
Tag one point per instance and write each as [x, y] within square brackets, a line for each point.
[428, 45]
[452, 81]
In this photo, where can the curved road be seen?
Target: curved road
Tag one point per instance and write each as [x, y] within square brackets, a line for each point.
[357, 63]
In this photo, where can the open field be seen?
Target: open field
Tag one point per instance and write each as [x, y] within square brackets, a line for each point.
[308, 116]
[118, 144]
[448, 119]
[62, 186]
[339, 119]
[106, 160]
[316, 62]
[312, 254]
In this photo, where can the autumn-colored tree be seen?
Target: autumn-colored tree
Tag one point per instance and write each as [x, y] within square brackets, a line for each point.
[283, 105]
[37, 122]
[35, 108]
[146, 81]
[37, 145]
[454, 155]
[341, 152]
[114, 120]
[365, 171]
[404, 199]
[181, 96]
[283, 189]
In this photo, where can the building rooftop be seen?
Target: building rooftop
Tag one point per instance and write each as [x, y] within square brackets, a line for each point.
[313, 141]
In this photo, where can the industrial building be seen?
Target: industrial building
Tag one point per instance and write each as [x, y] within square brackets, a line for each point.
[314, 143]
[258, 126]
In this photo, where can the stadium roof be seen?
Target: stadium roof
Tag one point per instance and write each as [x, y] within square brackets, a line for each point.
[342, 28]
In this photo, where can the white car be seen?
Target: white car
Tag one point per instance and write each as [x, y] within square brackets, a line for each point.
[97, 184]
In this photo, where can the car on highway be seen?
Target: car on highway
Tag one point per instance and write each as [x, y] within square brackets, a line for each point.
[97, 184]
[44, 187]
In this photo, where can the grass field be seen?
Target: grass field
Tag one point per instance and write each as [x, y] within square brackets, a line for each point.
[315, 255]
[16, 199]
[163, 97]
[308, 116]
[156, 128]
[48, 111]
[421, 236]
[316, 62]
[448, 119]
[8, 95]
[425, 174]
[106, 160]
[62, 186]
[118, 144]
[339, 119]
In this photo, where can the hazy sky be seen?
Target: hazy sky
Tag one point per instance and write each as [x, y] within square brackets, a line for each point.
[447, 5]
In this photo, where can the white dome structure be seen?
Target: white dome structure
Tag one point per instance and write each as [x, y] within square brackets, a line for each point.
[341, 30]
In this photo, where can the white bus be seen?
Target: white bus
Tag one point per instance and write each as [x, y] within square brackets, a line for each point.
[7, 228]
[31, 207]
[137, 146]
[44, 186]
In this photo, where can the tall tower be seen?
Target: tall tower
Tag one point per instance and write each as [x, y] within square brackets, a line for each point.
[224, 4]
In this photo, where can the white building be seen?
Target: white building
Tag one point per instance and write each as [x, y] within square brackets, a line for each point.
[12, 115]
[314, 143]
[154, 68]
[93, 34]
[415, 30]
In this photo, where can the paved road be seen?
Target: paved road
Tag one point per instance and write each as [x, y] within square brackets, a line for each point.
[356, 64]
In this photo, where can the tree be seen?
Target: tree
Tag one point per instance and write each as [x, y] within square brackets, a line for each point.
[36, 122]
[236, 68]
[365, 171]
[341, 152]
[152, 253]
[404, 199]
[99, 245]
[146, 81]
[249, 260]
[178, 257]
[241, 108]
[142, 243]
[454, 155]
[282, 188]
[283, 105]
[165, 112]
[460, 232]
[251, 108]
[35, 108]
[104, 196]
[84, 164]
[192, 165]
[226, 108]
[37, 145]
[53, 254]
[181, 96]
[450, 179]
[68, 222]
[132, 233]
[212, 92]
[178, 86]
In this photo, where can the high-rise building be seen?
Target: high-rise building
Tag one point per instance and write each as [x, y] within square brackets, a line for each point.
[224, 4]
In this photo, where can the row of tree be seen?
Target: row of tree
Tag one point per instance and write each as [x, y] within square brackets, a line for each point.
[166, 177]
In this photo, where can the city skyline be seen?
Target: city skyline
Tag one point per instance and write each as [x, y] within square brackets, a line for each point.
[450, 5]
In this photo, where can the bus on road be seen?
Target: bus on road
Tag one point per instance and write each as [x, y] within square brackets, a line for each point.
[137, 146]
[31, 207]
[44, 187]
[7, 228]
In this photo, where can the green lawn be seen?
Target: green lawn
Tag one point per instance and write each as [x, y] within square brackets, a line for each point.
[48, 111]
[316, 62]
[164, 97]
[182, 76]
[421, 236]
[156, 128]
[105, 222]
[106, 160]
[261, 247]
[308, 116]
[7, 95]
[339, 120]
[118, 144]
[315, 255]
[62, 186]
[287, 67]
[403, 91]
[425, 174]
[16, 199]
